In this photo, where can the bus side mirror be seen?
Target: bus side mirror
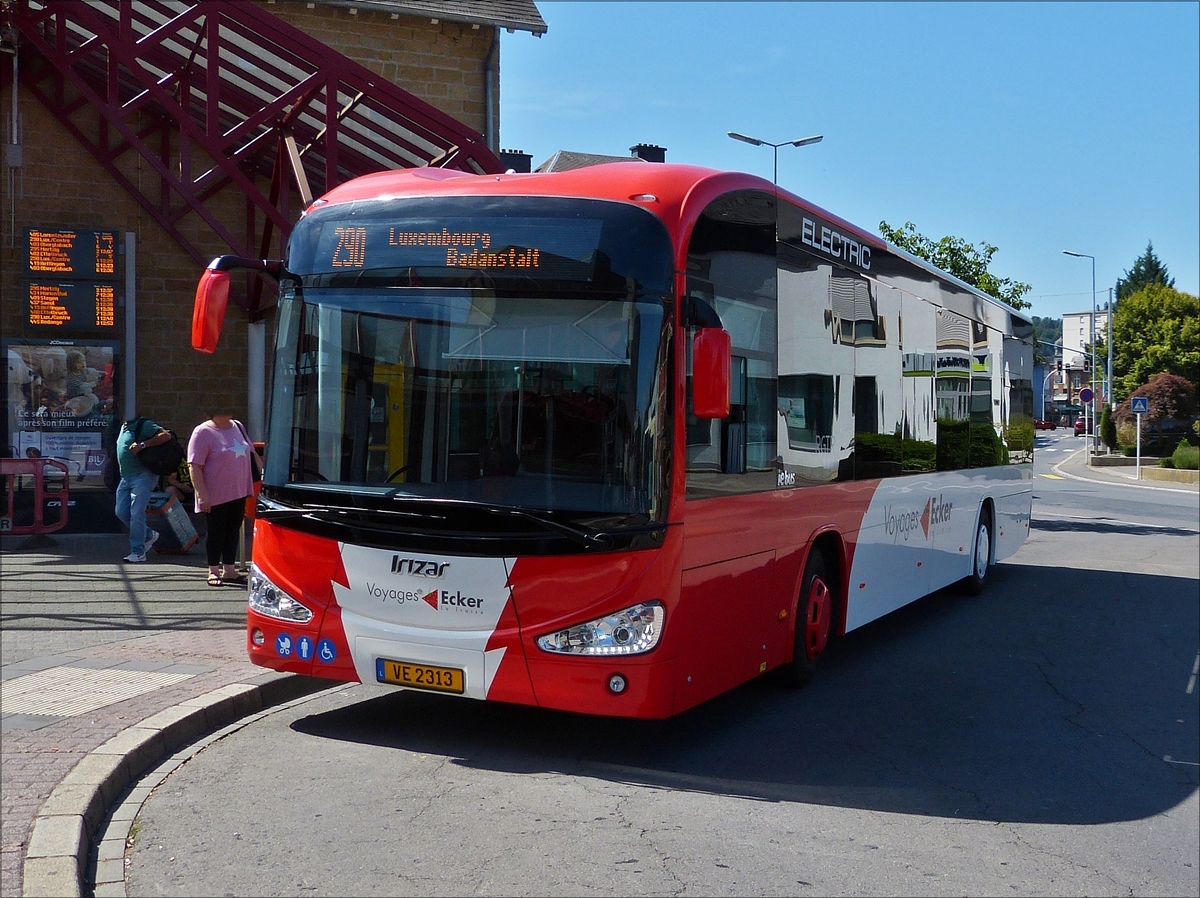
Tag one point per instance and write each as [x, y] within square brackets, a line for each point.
[711, 354]
[208, 311]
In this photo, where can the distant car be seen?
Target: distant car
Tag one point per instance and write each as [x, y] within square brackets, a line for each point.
[1082, 426]
[1039, 424]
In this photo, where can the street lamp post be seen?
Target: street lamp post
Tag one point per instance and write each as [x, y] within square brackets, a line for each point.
[1108, 372]
[1091, 347]
[754, 141]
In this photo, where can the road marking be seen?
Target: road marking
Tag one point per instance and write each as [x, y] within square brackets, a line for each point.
[1052, 476]
[1171, 760]
[1191, 687]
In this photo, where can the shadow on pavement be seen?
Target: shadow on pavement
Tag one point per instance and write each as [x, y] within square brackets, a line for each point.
[1059, 696]
[1121, 527]
[79, 583]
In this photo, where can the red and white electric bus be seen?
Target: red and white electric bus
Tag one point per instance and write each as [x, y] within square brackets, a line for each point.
[615, 440]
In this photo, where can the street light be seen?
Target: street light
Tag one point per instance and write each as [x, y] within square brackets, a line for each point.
[1108, 372]
[755, 142]
[1092, 344]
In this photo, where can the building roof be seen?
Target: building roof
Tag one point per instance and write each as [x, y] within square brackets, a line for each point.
[568, 160]
[515, 15]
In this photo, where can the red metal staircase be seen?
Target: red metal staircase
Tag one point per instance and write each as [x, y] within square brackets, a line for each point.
[220, 95]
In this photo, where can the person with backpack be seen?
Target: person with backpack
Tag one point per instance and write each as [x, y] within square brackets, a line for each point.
[137, 483]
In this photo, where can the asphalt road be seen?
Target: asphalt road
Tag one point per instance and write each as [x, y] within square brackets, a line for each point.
[1042, 738]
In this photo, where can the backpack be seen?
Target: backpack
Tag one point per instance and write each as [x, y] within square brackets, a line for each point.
[161, 459]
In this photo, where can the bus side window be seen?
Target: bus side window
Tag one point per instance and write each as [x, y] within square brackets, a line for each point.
[732, 268]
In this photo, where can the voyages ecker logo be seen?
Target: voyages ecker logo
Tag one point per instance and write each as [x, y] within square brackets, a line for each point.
[443, 599]
[903, 523]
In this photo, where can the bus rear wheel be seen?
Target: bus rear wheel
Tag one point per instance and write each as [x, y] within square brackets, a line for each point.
[814, 621]
[981, 556]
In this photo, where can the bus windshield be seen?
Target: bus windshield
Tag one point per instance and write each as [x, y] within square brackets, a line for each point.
[539, 390]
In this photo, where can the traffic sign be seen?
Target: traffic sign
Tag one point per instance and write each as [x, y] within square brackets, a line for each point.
[1086, 394]
[1140, 405]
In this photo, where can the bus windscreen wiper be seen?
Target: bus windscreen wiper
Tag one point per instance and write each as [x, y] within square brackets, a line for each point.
[587, 539]
[276, 511]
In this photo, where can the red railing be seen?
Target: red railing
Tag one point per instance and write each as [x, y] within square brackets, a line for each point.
[26, 496]
[218, 101]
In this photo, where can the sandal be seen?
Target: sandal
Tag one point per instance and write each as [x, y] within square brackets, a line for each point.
[236, 580]
[215, 580]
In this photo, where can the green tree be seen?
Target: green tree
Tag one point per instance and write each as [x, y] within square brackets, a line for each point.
[965, 261]
[1146, 270]
[1156, 329]
[1108, 427]
[1048, 333]
[1168, 396]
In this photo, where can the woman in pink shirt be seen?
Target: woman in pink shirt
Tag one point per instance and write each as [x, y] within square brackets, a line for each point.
[219, 460]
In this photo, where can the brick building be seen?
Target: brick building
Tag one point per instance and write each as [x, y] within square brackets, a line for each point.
[66, 169]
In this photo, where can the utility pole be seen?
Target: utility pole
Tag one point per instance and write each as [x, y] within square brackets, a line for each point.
[1112, 400]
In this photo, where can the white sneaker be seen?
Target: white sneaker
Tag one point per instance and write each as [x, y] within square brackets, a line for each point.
[134, 559]
[150, 540]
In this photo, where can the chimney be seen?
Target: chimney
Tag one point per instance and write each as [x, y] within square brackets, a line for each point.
[518, 160]
[649, 152]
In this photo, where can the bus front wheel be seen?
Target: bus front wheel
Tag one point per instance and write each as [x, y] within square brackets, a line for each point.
[814, 621]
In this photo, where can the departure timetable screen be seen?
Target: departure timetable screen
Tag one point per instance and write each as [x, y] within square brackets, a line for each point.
[74, 307]
[65, 253]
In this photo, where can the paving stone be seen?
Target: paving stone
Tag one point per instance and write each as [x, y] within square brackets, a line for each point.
[179, 726]
[56, 837]
[110, 871]
[70, 799]
[107, 773]
[140, 747]
[51, 877]
[27, 721]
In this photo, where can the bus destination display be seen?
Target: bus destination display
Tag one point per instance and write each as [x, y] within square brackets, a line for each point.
[541, 248]
[73, 307]
[90, 255]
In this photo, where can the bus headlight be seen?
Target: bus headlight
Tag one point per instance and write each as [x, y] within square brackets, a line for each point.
[267, 598]
[630, 632]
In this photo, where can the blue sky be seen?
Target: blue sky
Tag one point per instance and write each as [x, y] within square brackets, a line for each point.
[1034, 127]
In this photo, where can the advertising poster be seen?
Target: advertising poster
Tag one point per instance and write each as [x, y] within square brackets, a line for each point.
[60, 404]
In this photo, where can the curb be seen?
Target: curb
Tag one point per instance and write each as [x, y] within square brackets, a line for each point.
[1125, 479]
[69, 820]
[1170, 475]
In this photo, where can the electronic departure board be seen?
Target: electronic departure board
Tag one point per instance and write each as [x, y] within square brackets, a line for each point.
[87, 255]
[78, 307]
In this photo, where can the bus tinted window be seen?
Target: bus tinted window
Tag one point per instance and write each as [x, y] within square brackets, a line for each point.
[501, 240]
[732, 268]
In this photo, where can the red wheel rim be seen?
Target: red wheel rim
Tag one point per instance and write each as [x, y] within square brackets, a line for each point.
[818, 609]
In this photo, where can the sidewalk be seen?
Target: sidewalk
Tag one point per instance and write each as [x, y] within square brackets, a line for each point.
[1076, 467]
[106, 669]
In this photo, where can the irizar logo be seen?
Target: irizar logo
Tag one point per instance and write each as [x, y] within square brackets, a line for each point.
[417, 567]
[902, 523]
